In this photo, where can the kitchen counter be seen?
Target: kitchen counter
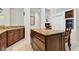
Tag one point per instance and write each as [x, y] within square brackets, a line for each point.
[2, 30]
[9, 28]
[10, 35]
[47, 32]
[47, 40]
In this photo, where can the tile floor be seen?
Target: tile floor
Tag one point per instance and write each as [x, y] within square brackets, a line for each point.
[24, 45]
[74, 47]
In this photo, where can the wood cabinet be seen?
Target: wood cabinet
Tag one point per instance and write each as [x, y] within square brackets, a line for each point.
[69, 14]
[10, 35]
[53, 42]
[15, 35]
[3, 41]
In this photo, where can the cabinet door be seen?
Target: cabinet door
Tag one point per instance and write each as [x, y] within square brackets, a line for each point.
[69, 14]
[10, 37]
[52, 43]
[3, 41]
[3, 44]
[16, 35]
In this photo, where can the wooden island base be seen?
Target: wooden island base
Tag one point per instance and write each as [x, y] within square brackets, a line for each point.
[47, 40]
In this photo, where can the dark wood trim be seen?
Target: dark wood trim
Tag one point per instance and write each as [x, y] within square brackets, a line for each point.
[69, 14]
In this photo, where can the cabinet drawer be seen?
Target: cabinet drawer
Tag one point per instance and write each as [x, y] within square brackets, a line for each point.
[35, 48]
[40, 44]
[42, 38]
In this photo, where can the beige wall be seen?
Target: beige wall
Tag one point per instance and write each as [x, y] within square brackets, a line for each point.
[12, 17]
[16, 16]
[5, 17]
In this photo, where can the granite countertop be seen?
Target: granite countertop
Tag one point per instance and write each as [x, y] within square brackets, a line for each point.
[9, 28]
[47, 32]
[2, 30]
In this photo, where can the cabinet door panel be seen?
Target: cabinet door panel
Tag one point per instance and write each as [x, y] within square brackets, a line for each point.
[3, 41]
[53, 43]
[10, 37]
[40, 44]
[16, 35]
[3, 44]
[35, 48]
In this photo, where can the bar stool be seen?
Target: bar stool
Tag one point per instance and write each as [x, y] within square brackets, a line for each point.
[68, 37]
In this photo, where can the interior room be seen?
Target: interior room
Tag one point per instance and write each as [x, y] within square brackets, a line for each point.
[39, 29]
[12, 29]
[48, 23]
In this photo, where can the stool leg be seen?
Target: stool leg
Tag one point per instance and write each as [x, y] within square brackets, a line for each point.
[69, 44]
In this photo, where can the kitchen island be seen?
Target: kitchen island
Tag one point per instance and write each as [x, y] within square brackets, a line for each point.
[47, 40]
[9, 35]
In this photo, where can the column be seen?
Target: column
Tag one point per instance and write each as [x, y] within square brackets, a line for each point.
[43, 18]
[27, 24]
